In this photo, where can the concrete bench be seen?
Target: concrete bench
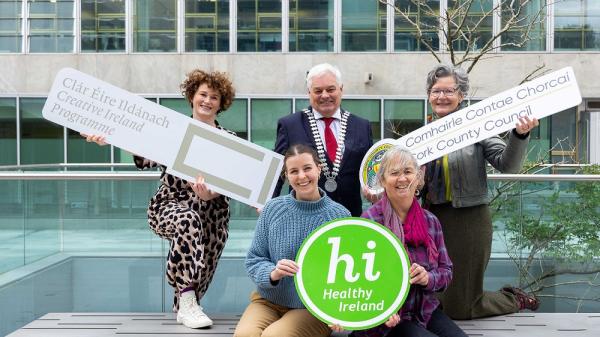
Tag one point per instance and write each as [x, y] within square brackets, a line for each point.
[164, 324]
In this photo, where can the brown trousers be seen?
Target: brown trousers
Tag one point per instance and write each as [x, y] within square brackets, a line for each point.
[265, 319]
[468, 238]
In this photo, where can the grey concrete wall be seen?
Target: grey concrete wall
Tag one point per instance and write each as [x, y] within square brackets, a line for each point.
[283, 74]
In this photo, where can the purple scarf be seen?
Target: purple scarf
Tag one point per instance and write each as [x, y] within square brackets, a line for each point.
[413, 231]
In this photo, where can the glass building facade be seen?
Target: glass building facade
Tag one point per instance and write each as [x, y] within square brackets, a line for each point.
[192, 26]
[167, 38]
[27, 138]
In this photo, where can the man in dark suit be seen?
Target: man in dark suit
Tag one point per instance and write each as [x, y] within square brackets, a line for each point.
[340, 138]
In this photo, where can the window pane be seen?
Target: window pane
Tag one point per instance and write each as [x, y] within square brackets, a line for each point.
[535, 13]
[265, 113]
[102, 26]
[577, 25]
[311, 25]
[480, 10]
[236, 118]
[51, 26]
[8, 131]
[179, 104]
[368, 109]
[259, 25]
[425, 16]
[10, 26]
[301, 104]
[155, 25]
[41, 140]
[80, 151]
[363, 26]
[402, 117]
[563, 139]
[206, 24]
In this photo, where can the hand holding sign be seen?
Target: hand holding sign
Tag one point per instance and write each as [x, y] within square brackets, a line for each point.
[98, 139]
[284, 268]
[363, 279]
[525, 125]
[98, 109]
[518, 107]
[419, 275]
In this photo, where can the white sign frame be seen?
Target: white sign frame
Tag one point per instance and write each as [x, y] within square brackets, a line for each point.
[539, 98]
[230, 165]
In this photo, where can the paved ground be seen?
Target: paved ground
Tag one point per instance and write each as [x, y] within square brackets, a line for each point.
[163, 324]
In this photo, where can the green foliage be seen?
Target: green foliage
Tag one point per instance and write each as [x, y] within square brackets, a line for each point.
[558, 225]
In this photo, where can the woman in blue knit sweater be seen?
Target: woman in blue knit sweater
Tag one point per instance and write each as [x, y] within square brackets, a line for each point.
[275, 308]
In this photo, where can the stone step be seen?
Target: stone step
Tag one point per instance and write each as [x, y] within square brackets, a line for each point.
[165, 324]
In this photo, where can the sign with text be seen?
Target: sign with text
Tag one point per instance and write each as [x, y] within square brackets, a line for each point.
[538, 98]
[230, 165]
[353, 272]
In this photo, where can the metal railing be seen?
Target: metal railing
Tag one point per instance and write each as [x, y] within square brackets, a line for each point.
[18, 172]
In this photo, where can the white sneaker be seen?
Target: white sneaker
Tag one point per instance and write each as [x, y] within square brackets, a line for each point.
[190, 313]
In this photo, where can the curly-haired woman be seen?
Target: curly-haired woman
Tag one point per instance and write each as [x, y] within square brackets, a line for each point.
[191, 216]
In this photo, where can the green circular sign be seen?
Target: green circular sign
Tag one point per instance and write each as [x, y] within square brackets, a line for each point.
[353, 272]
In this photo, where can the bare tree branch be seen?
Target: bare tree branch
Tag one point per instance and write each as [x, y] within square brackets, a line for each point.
[462, 25]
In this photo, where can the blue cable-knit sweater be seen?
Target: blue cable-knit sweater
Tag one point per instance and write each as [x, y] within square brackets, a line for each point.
[282, 226]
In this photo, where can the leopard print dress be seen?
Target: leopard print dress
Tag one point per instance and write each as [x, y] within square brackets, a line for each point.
[197, 230]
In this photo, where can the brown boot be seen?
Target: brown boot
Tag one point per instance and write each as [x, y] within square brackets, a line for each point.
[526, 301]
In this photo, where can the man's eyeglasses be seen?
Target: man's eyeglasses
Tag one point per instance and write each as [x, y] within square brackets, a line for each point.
[447, 92]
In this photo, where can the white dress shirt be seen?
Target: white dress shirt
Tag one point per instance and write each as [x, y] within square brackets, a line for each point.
[335, 126]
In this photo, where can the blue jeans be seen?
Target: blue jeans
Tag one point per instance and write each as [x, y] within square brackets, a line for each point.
[439, 325]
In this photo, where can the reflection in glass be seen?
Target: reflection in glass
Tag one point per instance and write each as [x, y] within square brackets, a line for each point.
[102, 26]
[179, 104]
[425, 16]
[480, 15]
[368, 109]
[364, 26]
[207, 26]
[402, 117]
[8, 131]
[577, 25]
[10, 26]
[51, 26]
[42, 201]
[301, 104]
[563, 137]
[534, 12]
[234, 118]
[265, 113]
[311, 25]
[41, 140]
[155, 26]
[80, 151]
[259, 25]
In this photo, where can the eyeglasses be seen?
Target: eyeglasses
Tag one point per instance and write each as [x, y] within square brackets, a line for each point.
[447, 92]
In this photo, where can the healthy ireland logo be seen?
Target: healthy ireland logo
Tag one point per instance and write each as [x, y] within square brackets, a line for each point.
[353, 272]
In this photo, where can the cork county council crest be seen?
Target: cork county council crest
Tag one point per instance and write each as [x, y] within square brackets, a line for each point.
[370, 165]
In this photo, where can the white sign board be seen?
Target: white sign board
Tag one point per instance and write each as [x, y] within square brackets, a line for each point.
[231, 166]
[538, 98]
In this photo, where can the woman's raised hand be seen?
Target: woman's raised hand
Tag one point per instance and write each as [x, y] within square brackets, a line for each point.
[284, 268]
[525, 125]
[202, 191]
[98, 139]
